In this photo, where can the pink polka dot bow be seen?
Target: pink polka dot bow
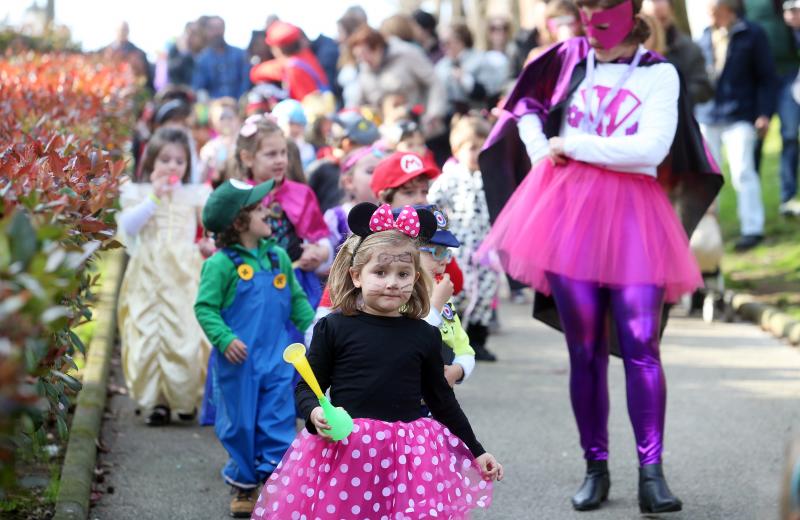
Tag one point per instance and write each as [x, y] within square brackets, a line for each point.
[407, 222]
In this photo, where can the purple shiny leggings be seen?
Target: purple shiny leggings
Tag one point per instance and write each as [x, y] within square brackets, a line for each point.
[636, 312]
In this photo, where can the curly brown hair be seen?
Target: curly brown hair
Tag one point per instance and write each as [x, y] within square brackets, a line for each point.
[232, 235]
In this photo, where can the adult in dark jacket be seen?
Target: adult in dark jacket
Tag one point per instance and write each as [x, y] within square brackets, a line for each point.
[327, 52]
[768, 14]
[740, 63]
[681, 50]
[221, 69]
[123, 50]
[181, 54]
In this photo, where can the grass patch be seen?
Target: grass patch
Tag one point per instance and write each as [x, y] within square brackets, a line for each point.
[771, 271]
[35, 496]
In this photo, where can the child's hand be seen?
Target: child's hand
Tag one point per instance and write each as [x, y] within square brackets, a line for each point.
[442, 292]
[236, 351]
[319, 422]
[492, 470]
[453, 374]
[161, 185]
[206, 247]
[557, 154]
[312, 257]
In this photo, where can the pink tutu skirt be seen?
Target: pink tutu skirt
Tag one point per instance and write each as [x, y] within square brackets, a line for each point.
[382, 471]
[592, 224]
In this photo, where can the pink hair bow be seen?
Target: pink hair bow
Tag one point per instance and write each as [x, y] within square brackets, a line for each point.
[250, 125]
[407, 222]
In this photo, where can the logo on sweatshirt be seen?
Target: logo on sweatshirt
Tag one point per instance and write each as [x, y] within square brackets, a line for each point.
[622, 113]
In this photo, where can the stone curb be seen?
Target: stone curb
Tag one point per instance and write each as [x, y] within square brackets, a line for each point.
[780, 324]
[77, 473]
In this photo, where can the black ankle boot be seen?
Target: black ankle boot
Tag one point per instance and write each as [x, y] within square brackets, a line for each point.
[594, 489]
[654, 494]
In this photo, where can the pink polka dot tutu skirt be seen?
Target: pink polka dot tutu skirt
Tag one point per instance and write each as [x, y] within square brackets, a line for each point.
[382, 471]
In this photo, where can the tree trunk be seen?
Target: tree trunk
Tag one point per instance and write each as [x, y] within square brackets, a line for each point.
[457, 14]
[50, 12]
[408, 6]
[477, 19]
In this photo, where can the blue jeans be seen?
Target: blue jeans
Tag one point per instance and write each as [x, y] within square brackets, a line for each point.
[789, 114]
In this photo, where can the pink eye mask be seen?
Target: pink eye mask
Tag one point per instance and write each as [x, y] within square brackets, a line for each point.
[620, 23]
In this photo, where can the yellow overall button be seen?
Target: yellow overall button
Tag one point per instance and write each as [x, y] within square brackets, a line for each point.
[245, 272]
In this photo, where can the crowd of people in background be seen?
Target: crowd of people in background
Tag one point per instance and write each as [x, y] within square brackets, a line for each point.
[391, 112]
[739, 72]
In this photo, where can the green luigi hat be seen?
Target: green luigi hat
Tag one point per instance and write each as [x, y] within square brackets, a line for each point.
[228, 200]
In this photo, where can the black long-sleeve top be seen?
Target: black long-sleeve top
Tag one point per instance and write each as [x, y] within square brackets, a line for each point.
[380, 368]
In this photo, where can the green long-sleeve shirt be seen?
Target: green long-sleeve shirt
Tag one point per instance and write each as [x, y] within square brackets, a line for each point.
[218, 282]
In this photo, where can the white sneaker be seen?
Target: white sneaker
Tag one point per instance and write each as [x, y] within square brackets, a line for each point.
[790, 208]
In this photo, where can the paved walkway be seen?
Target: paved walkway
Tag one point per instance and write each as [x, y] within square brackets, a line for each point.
[732, 407]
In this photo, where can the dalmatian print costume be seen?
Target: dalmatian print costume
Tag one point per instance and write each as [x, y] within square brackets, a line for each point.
[459, 193]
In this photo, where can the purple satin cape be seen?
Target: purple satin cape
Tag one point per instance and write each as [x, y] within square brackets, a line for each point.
[689, 175]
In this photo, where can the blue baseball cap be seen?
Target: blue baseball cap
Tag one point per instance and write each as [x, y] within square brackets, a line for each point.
[442, 237]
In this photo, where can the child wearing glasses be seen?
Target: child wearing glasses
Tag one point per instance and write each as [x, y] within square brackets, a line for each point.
[435, 255]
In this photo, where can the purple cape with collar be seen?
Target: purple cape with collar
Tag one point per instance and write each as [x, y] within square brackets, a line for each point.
[689, 175]
[302, 208]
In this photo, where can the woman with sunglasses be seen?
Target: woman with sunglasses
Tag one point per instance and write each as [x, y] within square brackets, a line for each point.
[609, 175]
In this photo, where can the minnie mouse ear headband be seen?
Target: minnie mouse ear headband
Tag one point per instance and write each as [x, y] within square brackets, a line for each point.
[366, 219]
[443, 236]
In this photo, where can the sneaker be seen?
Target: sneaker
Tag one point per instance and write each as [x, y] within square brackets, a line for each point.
[243, 503]
[188, 416]
[159, 416]
[483, 354]
[790, 208]
[518, 297]
[747, 242]
[494, 323]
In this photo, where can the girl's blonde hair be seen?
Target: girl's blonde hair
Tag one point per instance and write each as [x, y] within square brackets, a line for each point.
[354, 255]
[265, 127]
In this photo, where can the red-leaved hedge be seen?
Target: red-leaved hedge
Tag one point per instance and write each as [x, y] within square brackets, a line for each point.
[65, 121]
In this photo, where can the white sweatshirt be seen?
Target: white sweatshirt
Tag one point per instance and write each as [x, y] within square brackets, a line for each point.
[638, 127]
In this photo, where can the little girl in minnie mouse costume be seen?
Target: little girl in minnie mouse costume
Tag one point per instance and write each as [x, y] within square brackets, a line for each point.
[379, 358]
[609, 175]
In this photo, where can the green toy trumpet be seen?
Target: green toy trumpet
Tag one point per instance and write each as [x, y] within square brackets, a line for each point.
[338, 419]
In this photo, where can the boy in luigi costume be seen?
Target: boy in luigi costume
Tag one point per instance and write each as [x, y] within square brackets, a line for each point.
[248, 294]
